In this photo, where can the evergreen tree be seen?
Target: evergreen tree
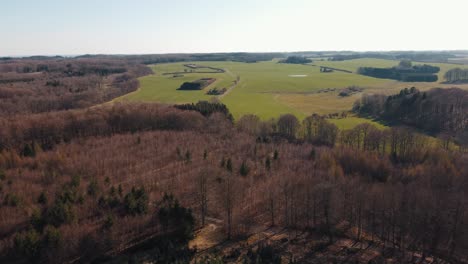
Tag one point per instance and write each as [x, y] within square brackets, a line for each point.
[244, 169]
[275, 155]
[28, 151]
[312, 154]
[42, 199]
[229, 165]
[268, 163]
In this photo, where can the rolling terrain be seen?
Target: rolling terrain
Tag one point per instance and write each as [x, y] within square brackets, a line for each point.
[269, 89]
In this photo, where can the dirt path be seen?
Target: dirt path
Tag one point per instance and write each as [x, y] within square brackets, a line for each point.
[236, 82]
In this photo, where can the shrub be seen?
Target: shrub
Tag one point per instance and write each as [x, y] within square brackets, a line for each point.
[93, 188]
[108, 222]
[136, 201]
[70, 195]
[75, 181]
[111, 201]
[37, 220]
[175, 217]
[42, 199]
[11, 200]
[2, 175]
[60, 213]
[52, 237]
[264, 254]
[27, 244]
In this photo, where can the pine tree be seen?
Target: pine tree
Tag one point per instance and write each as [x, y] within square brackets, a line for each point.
[312, 154]
[120, 190]
[179, 153]
[42, 199]
[28, 151]
[244, 169]
[229, 165]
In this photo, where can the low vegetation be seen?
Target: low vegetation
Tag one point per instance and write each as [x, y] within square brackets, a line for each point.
[350, 90]
[216, 91]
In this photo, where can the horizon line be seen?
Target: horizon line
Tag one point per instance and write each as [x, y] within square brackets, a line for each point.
[224, 52]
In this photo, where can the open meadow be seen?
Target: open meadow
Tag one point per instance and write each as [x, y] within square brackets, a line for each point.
[269, 89]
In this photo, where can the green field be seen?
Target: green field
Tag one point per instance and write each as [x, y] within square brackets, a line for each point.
[268, 90]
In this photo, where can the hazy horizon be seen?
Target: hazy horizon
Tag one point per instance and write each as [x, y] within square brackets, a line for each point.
[54, 27]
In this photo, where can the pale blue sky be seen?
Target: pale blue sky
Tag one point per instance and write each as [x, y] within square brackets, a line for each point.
[49, 27]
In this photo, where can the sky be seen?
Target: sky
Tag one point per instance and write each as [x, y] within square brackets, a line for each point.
[59, 27]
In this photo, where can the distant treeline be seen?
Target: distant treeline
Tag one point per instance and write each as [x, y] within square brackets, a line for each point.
[44, 131]
[43, 85]
[404, 72]
[406, 55]
[296, 60]
[167, 58]
[456, 75]
[435, 111]
[426, 56]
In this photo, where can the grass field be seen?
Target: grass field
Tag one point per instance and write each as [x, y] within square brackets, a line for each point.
[269, 89]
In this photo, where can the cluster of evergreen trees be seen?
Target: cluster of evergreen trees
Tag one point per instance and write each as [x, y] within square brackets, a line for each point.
[404, 72]
[296, 60]
[207, 108]
[197, 85]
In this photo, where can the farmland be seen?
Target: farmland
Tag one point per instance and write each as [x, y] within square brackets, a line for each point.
[269, 89]
[174, 167]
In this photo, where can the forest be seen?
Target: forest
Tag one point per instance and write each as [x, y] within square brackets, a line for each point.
[86, 185]
[37, 85]
[147, 59]
[456, 75]
[438, 111]
[434, 56]
[84, 179]
[405, 72]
